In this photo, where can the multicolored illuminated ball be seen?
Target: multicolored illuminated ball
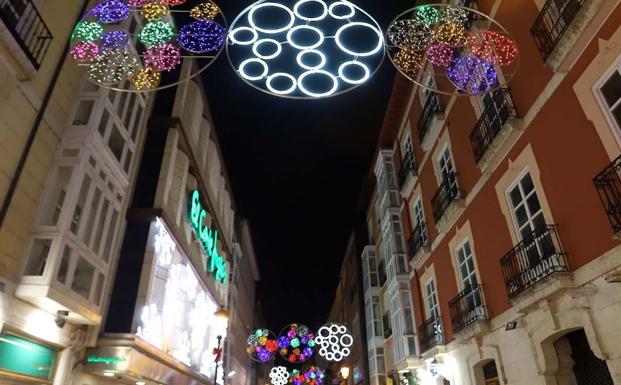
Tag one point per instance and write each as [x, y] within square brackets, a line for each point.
[146, 79]
[137, 3]
[472, 75]
[292, 347]
[115, 39]
[112, 11]
[408, 61]
[411, 34]
[427, 15]
[494, 47]
[164, 57]
[112, 66]
[440, 54]
[205, 11]
[86, 31]
[154, 10]
[174, 2]
[202, 36]
[85, 52]
[450, 33]
[155, 33]
[261, 345]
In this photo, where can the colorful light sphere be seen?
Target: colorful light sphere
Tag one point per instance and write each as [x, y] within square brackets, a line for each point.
[156, 32]
[494, 47]
[472, 75]
[146, 79]
[440, 54]
[202, 36]
[296, 343]
[408, 61]
[112, 11]
[205, 11]
[315, 49]
[138, 3]
[450, 33]
[164, 57]
[261, 345]
[174, 2]
[314, 376]
[86, 31]
[334, 341]
[155, 10]
[455, 14]
[115, 39]
[279, 375]
[85, 52]
[412, 34]
[113, 66]
[427, 15]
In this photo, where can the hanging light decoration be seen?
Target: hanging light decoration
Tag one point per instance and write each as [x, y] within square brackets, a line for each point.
[440, 54]
[472, 75]
[112, 66]
[450, 33]
[146, 79]
[137, 3]
[493, 47]
[164, 57]
[408, 62]
[156, 32]
[410, 33]
[205, 11]
[174, 2]
[427, 15]
[86, 31]
[112, 11]
[202, 36]
[155, 10]
[115, 39]
[455, 14]
[85, 52]
[261, 345]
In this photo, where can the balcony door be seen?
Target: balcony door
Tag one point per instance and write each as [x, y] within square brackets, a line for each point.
[433, 309]
[468, 276]
[13, 10]
[419, 221]
[447, 171]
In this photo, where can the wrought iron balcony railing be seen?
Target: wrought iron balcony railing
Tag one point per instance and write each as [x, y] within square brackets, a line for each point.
[418, 239]
[387, 326]
[467, 307]
[492, 120]
[23, 20]
[608, 185]
[430, 333]
[408, 167]
[536, 257]
[448, 192]
[552, 23]
[432, 106]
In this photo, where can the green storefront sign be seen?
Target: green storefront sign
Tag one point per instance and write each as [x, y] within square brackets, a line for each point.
[21, 356]
[208, 237]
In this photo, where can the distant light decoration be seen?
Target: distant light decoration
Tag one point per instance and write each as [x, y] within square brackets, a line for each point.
[155, 10]
[493, 47]
[279, 375]
[115, 39]
[334, 342]
[205, 11]
[156, 32]
[472, 75]
[146, 79]
[138, 3]
[164, 57]
[435, 41]
[202, 36]
[174, 2]
[314, 376]
[85, 52]
[335, 32]
[86, 31]
[296, 343]
[113, 66]
[112, 11]
[261, 345]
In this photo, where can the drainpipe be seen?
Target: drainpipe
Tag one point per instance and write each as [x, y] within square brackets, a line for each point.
[35, 126]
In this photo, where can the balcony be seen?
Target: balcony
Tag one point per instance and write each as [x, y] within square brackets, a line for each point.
[608, 185]
[536, 257]
[429, 122]
[408, 171]
[444, 202]
[25, 24]
[431, 334]
[387, 326]
[467, 308]
[492, 130]
[552, 23]
[419, 241]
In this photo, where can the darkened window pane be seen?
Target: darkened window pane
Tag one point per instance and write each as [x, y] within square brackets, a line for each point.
[116, 142]
[611, 90]
[61, 276]
[83, 113]
[38, 256]
[83, 278]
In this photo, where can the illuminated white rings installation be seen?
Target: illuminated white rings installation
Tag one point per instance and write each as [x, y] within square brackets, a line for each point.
[322, 59]
[306, 91]
[343, 67]
[233, 33]
[334, 342]
[242, 69]
[352, 10]
[279, 375]
[259, 43]
[380, 37]
[253, 24]
[296, 10]
[309, 28]
[270, 79]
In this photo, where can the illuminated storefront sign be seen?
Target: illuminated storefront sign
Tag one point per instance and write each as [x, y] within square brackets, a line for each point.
[104, 360]
[21, 356]
[207, 236]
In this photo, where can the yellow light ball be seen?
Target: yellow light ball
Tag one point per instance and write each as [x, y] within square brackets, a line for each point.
[205, 11]
[146, 79]
[408, 61]
[154, 11]
[450, 33]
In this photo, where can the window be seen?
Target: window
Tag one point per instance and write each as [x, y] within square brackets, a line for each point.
[445, 164]
[611, 94]
[79, 207]
[56, 196]
[426, 91]
[83, 112]
[527, 212]
[419, 221]
[431, 297]
[83, 277]
[468, 275]
[38, 257]
[407, 144]
[374, 324]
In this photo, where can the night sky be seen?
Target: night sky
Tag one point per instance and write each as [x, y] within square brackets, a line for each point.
[296, 168]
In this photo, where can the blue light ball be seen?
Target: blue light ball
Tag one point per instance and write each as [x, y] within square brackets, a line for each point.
[202, 36]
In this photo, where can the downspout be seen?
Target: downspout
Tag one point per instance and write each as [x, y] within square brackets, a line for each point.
[35, 126]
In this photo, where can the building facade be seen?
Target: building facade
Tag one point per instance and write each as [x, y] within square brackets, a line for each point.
[507, 200]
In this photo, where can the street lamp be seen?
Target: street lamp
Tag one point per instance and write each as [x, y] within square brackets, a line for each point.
[222, 319]
[344, 373]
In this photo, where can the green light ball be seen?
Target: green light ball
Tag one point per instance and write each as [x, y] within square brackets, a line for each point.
[87, 31]
[156, 32]
[427, 14]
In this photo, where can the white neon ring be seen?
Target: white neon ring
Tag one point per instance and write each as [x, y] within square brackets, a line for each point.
[243, 65]
[349, 343]
[265, 30]
[341, 17]
[322, 329]
[342, 329]
[380, 42]
[335, 81]
[318, 66]
[294, 83]
[233, 32]
[312, 46]
[255, 48]
[367, 72]
[338, 356]
[346, 352]
[321, 17]
[334, 329]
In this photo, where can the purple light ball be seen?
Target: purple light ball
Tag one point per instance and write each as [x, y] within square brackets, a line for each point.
[112, 11]
[283, 342]
[472, 75]
[308, 351]
[202, 36]
[115, 39]
[264, 355]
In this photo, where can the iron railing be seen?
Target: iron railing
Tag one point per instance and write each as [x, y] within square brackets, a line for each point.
[608, 185]
[448, 192]
[499, 110]
[467, 307]
[387, 326]
[552, 23]
[23, 20]
[430, 333]
[432, 106]
[418, 239]
[408, 167]
[536, 257]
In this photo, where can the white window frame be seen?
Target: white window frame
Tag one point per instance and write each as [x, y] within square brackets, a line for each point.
[418, 215]
[599, 97]
[432, 311]
[462, 280]
[445, 150]
[516, 183]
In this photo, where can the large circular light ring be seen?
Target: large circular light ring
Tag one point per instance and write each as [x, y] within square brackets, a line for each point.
[300, 60]
[242, 69]
[347, 340]
[352, 10]
[367, 72]
[308, 27]
[258, 43]
[380, 42]
[335, 83]
[265, 30]
[297, 13]
[234, 32]
[294, 83]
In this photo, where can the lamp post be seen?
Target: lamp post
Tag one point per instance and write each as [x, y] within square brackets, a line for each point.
[344, 373]
[222, 317]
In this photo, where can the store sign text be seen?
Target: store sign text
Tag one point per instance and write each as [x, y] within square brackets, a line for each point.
[207, 237]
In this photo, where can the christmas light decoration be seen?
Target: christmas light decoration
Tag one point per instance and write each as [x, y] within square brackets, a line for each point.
[343, 69]
[493, 47]
[316, 31]
[334, 342]
[455, 14]
[321, 16]
[86, 31]
[154, 10]
[319, 54]
[112, 11]
[410, 33]
[112, 66]
[314, 376]
[408, 62]
[279, 375]
[296, 342]
[174, 2]
[261, 345]
[440, 54]
[115, 39]
[137, 3]
[164, 57]
[427, 15]
[256, 49]
[341, 4]
[146, 79]
[472, 75]
[156, 32]
[85, 52]
[202, 36]
[205, 11]
[277, 75]
[450, 33]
